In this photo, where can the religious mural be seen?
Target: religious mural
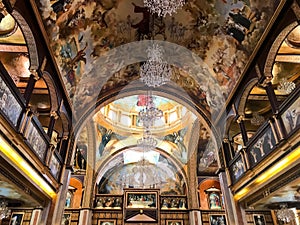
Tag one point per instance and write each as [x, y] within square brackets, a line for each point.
[221, 33]
[291, 117]
[207, 153]
[142, 170]
[261, 147]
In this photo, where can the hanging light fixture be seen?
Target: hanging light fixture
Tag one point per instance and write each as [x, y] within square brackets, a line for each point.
[4, 210]
[155, 71]
[284, 214]
[163, 7]
[147, 142]
[148, 115]
[286, 86]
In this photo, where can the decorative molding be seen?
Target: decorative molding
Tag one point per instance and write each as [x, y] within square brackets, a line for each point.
[273, 186]
[275, 47]
[240, 119]
[30, 41]
[244, 97]
[52, 91]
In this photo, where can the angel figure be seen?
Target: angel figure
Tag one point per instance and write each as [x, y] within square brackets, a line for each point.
[178, 139]
[107, 135]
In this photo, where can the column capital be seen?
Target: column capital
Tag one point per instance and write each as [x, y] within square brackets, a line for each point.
[240, 118]
[226, 140]
[266, 81]
[54, 114]
[65, 137]
[35, 74]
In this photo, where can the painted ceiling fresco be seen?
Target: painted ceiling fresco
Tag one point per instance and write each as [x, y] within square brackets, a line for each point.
[222, 34]
[141, 170]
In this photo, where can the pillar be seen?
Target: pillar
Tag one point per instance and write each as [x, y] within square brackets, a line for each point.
[34, 76]
[85, 217]
[195, 217]
[271, 94]
[53, 118]
[227, 199]
[36, 217]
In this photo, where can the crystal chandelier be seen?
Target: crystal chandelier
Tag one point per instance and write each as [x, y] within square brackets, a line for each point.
[155, 72]
[286, 86]
[148, 115]
[163, 7]
[147, 142]
[4, 210]
[284, 214]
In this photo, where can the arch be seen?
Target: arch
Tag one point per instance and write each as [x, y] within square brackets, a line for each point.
[29, 38]
[243, 99]
[77, 195]
[204, 185]
[275, 47]
[119, 58]
[52, 92]
[65, 122]
[180, 98]
[102, 167]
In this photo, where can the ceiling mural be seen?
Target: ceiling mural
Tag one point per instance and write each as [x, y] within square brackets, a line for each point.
[119, 126]
[15, 195]
[222, 33]
[142, 170]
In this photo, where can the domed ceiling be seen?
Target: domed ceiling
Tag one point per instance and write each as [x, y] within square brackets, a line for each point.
[95, 44]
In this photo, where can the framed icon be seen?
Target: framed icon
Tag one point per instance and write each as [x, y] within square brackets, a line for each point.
[259, 219]
[106, 222]
[174, 222]
[16, 218]
[217, 219]
[66, 220]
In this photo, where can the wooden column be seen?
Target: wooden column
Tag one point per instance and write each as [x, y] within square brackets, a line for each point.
[34, 76]
[240, 121]
[53, 118]
[271, 94]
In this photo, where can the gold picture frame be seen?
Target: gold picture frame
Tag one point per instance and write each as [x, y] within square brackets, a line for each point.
[259, 219]
[66, 220]
[174, 222]
[16, 218]
[217, 219]
[106, 222]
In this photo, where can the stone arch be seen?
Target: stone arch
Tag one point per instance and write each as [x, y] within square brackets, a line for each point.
[203, 185]
[53, 93]
[30, 40]
[102, 168]
[275, 47]
[246, 91]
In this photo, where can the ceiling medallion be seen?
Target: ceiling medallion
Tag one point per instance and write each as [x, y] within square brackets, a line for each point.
[284, 214]
[163, 7]
[155, 72]
[4, 210]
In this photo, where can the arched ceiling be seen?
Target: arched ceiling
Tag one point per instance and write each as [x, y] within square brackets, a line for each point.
[220, 34]
[99, 47]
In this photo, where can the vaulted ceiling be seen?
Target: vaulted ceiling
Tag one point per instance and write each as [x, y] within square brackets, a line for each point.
[99, 47]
